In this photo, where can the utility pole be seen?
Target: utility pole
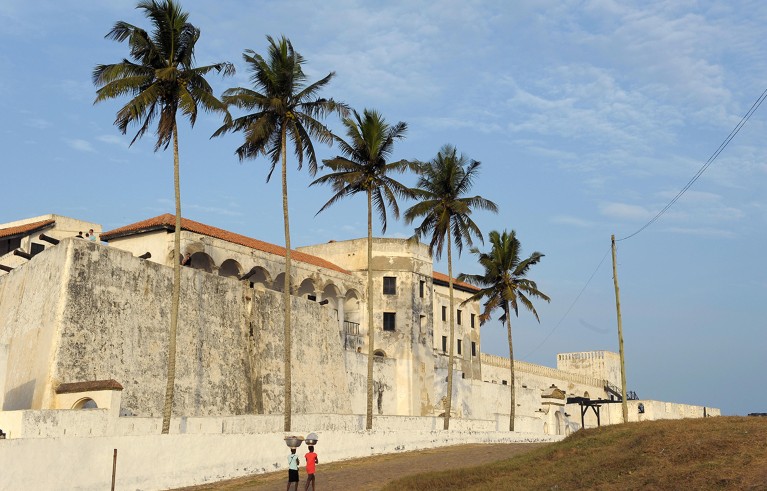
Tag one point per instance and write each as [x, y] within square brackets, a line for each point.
[624, 404]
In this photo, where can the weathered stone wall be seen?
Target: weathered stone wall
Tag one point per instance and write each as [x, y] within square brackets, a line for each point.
[82, 311]
[31, 309]
[600, 364]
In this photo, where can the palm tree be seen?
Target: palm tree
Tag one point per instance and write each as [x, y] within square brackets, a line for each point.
[284, 106]
[446, 212]
[161, 80]
[505, 284]
[365, 169]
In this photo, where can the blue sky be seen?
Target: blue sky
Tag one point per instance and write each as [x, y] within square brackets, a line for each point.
[588, 117]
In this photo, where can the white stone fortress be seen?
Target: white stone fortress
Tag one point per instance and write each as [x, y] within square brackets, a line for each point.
[84, 324]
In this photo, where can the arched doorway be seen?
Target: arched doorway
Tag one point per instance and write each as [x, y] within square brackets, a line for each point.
[230, 268]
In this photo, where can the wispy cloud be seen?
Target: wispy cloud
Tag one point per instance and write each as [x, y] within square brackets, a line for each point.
[79, 145]
[624, 211]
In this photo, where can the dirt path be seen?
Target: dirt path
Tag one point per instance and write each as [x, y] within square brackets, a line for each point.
[372, 473]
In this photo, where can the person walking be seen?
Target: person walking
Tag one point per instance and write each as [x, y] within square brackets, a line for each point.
[311, 462]
[293, 463]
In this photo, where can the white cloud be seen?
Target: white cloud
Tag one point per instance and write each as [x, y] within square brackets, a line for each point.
[571, 220]
[703, 232]
[38, 123]
[79, 145]
[625, 211]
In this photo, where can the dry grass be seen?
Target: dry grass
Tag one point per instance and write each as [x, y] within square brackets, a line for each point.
[727, 453]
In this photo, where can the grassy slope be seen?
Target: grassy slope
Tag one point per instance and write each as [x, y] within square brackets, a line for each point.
[712, 453]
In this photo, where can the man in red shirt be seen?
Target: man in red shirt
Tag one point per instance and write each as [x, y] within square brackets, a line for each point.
[311, 462]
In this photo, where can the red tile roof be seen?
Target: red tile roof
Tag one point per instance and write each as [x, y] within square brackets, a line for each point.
[25, 229]
[168, 222]
[443, 278]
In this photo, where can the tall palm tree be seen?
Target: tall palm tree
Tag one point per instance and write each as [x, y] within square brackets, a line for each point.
[505, 285]
[365, 169]
[446, 213]
[161, 80]
[284, 105]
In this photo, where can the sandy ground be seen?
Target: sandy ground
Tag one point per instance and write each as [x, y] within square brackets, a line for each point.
[371, 473]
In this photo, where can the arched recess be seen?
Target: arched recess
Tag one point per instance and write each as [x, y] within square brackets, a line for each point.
[332, 294]
[279, 283]
[202, 261]
[379, 352]
[586, 395]
[307, 290]
[229, 268]
[258, 277]
[85, 403]
[352, 306]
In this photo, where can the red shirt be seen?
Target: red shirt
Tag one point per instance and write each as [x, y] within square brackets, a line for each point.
[311, 460]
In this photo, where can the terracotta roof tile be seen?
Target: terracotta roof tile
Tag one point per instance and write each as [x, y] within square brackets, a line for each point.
[443, 278]
[25, 229]
[168, 222]
[92, 385]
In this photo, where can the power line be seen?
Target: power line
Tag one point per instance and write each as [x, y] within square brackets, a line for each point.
[571, 306]
[705, 166]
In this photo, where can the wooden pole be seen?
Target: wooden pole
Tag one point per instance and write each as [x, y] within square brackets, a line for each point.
[114, 469]
[624, 403]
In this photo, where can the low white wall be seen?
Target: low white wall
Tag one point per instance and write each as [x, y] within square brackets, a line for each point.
[153, 462]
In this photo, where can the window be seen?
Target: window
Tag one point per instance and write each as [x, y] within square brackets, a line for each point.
[472, 320]
[390, 285]
[311, 298]
[444, 344]
[458, 321]
[37, 248]
[420, 288]
[389, 321]
[459, 346]
[505, 382]
[444, 313]
[473, 348]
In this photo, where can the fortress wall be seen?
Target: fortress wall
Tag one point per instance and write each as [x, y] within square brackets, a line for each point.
[116, 325]
[600, 364]
[31, 304]
[154, 461]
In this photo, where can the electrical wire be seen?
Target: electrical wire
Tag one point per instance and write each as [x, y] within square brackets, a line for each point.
[705, 166]
[571, 306]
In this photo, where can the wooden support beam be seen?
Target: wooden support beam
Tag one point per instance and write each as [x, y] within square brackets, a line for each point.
[5, 268]
[145, 255]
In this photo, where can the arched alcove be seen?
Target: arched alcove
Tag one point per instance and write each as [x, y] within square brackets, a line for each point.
[230, 268]
[258, 276]
[202, 261]
[85, 403]
[379, 352]
[307, 290]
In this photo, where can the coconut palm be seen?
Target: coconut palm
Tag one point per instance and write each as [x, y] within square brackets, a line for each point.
[446, 213]
[365, 169]
[505, 285]
[284, 105]
[161, 79]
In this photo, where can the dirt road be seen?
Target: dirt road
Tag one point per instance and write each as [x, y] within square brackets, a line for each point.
[371, 473]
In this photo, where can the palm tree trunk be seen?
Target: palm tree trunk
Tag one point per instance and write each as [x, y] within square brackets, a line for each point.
[449, 405]
[167, 409]
[511, 370]
[371, 333]
[286, 292]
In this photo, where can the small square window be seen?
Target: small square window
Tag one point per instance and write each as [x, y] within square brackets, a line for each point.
[458, 320]
[472, 320]
[473, 348]
[390, 285]
[505, 382]
[444, 344]
[459, 346]
[421, 286]
[444, 313]
[389, 321]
